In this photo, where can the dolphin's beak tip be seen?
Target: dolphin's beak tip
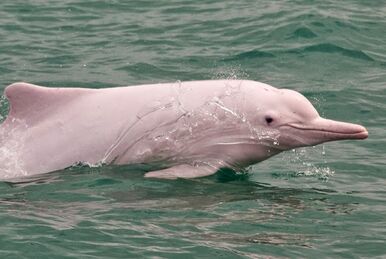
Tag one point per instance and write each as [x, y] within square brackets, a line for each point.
[360, 132]
[364, 134]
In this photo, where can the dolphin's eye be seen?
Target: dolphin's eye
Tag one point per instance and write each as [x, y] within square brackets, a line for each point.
[268, 119]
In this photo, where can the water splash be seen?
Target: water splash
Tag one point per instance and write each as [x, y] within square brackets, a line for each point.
[4, 108]
[10, 144]
[306, 168]
[10, 164]
[230, 72]
[87, 164]
[310, 170]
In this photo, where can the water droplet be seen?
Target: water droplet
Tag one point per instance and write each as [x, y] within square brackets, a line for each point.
[323, 151]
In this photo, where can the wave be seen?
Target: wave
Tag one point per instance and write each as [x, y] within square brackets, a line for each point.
[333, 48]
[326, 48]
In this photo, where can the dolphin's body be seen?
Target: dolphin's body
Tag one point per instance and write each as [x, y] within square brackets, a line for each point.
[189, 129]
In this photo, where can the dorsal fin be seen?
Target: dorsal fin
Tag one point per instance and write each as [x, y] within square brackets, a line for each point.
[28, 101]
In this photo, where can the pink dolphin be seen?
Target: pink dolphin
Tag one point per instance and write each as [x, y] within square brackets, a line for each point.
[187, 129]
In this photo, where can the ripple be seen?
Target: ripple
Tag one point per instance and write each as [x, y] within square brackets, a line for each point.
[333, 48]
[140, 67]
[250, 55]
[303, 32]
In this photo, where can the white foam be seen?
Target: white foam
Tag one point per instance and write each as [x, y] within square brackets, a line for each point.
[10, 164]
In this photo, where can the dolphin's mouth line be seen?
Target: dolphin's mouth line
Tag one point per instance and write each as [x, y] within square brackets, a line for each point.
[325, 130]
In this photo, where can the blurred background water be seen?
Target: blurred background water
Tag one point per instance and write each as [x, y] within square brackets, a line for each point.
[325, 201]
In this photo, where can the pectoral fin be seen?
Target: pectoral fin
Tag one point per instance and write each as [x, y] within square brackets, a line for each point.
[183, 171]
